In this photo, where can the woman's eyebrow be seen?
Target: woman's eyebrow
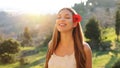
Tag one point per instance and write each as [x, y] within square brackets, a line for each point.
[65, 15]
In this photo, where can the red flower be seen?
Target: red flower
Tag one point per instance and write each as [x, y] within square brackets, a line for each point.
[77, 18]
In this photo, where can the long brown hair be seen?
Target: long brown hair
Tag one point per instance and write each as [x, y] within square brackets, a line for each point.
[78, 44]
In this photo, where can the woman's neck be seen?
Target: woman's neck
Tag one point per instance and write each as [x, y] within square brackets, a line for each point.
[66, 39]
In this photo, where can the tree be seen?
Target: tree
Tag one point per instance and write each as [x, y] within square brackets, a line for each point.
[116, 64]
[1, 39]
[117, 24]
[93, 31]
[8, 49]
[27, 39]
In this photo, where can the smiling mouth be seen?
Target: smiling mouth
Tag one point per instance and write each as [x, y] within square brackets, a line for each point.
[62, 25]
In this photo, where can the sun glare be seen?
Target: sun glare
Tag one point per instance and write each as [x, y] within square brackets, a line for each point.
[36, 6]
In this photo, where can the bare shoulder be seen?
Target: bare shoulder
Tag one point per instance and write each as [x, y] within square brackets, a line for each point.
[87, 48]
[88, 53]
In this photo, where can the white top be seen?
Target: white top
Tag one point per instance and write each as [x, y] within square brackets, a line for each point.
[67, 61]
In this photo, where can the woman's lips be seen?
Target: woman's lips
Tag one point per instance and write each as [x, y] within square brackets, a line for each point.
[62, 24]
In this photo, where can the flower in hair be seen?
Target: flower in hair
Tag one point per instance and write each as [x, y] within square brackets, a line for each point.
[77, 18]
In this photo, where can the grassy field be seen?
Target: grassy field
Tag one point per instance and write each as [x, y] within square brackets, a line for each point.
[104, 59]
[33, 61]
[100, 59]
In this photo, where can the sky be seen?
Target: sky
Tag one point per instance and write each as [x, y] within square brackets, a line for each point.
[36, 6]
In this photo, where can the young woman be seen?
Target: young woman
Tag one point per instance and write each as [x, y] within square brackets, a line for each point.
[67, 48]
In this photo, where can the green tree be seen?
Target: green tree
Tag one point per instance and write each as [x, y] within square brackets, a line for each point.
[27, 39]
[8, 49]
[80, 8]
[117, 24]
[93, 32]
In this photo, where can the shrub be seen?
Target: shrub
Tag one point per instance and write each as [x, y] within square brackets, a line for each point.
[117, 64]
[23, 61]
[9, 46]
[7, 58]
[105, 46]
[8, 49]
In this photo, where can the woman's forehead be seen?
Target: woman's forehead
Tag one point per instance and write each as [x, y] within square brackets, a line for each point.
[65, 12]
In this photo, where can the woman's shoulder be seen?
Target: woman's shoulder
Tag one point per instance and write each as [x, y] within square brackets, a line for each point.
[88, 53]
[86, 47]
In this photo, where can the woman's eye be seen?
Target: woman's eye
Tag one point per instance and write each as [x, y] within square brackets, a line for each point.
[67, 17]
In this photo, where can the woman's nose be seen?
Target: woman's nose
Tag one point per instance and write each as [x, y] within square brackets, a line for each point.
[62, 19]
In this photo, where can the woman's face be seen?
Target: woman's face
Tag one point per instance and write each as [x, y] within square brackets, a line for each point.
[64, 21]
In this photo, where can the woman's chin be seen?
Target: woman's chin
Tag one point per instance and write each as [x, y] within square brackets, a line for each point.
[63, 30]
